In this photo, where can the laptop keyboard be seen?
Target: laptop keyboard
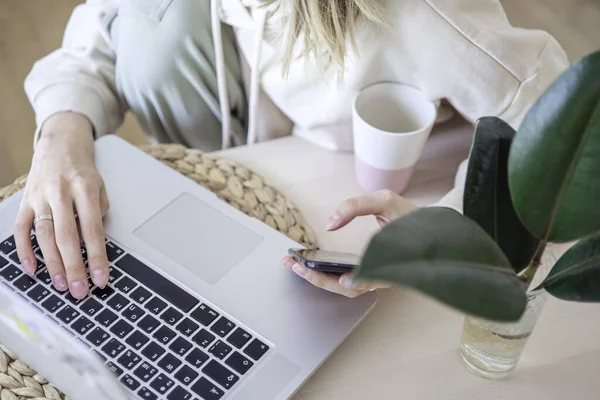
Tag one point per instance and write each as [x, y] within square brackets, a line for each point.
[156, 338]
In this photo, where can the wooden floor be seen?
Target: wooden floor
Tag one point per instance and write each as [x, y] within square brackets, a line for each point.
[30, 29]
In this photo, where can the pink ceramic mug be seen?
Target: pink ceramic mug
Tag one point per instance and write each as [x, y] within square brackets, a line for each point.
[391, 123]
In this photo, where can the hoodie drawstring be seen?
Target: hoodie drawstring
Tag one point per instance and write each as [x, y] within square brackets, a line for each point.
[221, 77]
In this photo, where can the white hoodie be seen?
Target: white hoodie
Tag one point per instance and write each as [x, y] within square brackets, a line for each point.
[464, 51]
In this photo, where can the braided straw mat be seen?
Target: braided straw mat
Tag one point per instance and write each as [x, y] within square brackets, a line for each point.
[232, 182]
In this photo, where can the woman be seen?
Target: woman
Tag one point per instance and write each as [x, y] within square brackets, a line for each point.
[230, 72]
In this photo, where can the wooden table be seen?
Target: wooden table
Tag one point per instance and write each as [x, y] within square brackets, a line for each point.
[407, 348]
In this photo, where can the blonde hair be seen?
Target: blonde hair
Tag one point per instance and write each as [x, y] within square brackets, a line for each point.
[325, 27]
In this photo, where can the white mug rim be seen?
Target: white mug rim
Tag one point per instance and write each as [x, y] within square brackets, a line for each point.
[434, 103]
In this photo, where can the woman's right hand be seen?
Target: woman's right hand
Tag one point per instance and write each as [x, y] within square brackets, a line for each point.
[63, 183]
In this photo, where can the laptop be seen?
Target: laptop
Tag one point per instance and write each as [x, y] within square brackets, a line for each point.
[197, 307]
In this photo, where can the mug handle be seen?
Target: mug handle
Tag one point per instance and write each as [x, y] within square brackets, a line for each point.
[444, 112]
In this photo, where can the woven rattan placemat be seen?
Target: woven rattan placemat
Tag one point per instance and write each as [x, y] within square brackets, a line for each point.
[232, 182]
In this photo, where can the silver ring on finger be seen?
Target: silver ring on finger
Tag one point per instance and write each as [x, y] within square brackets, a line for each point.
[42, 217]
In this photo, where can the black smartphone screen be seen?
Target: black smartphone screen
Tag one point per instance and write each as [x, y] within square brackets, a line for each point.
[326, 261]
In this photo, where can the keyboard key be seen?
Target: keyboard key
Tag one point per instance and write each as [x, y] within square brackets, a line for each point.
[90, 283]
[148, 324]
[3, 262]
[39, 254]
[113, 274]
[44, 276]
[204, 338]
[8, 245]
[39, 293]
[103, 294]
[118, 302]
[113, 348]
[140, 295]
[164, 335]
[106, 318]
[10, 273]
[187, 327]
[121, 329]
[146, 394]
[207, 390]
[115, 369]
[239, 363]
[24, 283]
[179, 394]
[186, 375]
[157, 283]
[162, 384]
[84, 255]
[171, 316]
[153, 351]
[67, 315]
[130, 382]
[220, 350]
[137, 340]
[113, 251]
[222, 327]
[180, 346]
[15, 258]
[156, 306]
[133, 313]
[73, 300]
[256, 349]
[239, 338]
[97, 337]
[82, 326]
[197, 358]
[220, 374]
[169, 363]
[52, 304]
[91, 307]
[34, 241]
[125, 285]
[204, 314]
[145, 372]
[129, 360]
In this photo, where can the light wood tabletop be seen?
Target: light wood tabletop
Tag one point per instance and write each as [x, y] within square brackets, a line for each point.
[408, 347]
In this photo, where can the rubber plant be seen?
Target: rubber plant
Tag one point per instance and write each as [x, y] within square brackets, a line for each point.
[524, 190]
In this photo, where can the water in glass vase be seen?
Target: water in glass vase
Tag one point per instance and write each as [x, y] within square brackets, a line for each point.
[491, 349]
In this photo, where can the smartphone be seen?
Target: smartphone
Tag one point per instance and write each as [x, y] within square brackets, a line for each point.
[326, 261]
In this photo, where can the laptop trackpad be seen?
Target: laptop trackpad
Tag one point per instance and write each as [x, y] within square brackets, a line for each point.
[270, 379]
[198, 237]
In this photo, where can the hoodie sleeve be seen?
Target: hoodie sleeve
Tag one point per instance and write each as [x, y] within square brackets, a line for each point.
[518, 66]
[80, 76]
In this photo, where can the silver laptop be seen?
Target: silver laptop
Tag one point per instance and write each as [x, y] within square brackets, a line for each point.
[198, 306]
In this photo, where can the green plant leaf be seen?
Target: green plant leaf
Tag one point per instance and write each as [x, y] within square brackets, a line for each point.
[449, 257]
[554, 162]
[487, 198]
[576, 275]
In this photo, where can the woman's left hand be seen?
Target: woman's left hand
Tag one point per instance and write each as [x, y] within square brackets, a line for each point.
[385, 206]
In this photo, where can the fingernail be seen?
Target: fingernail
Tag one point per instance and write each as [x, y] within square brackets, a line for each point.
[28, 267]
[79, 289]
[300, 270]
[99, 277]
[60, 282]
[288, 263]
[332, 222]
[347, 283]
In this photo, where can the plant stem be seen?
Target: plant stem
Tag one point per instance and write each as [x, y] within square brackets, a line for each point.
[528, 273]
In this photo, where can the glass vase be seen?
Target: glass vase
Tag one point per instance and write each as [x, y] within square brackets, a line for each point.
[492, 349]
